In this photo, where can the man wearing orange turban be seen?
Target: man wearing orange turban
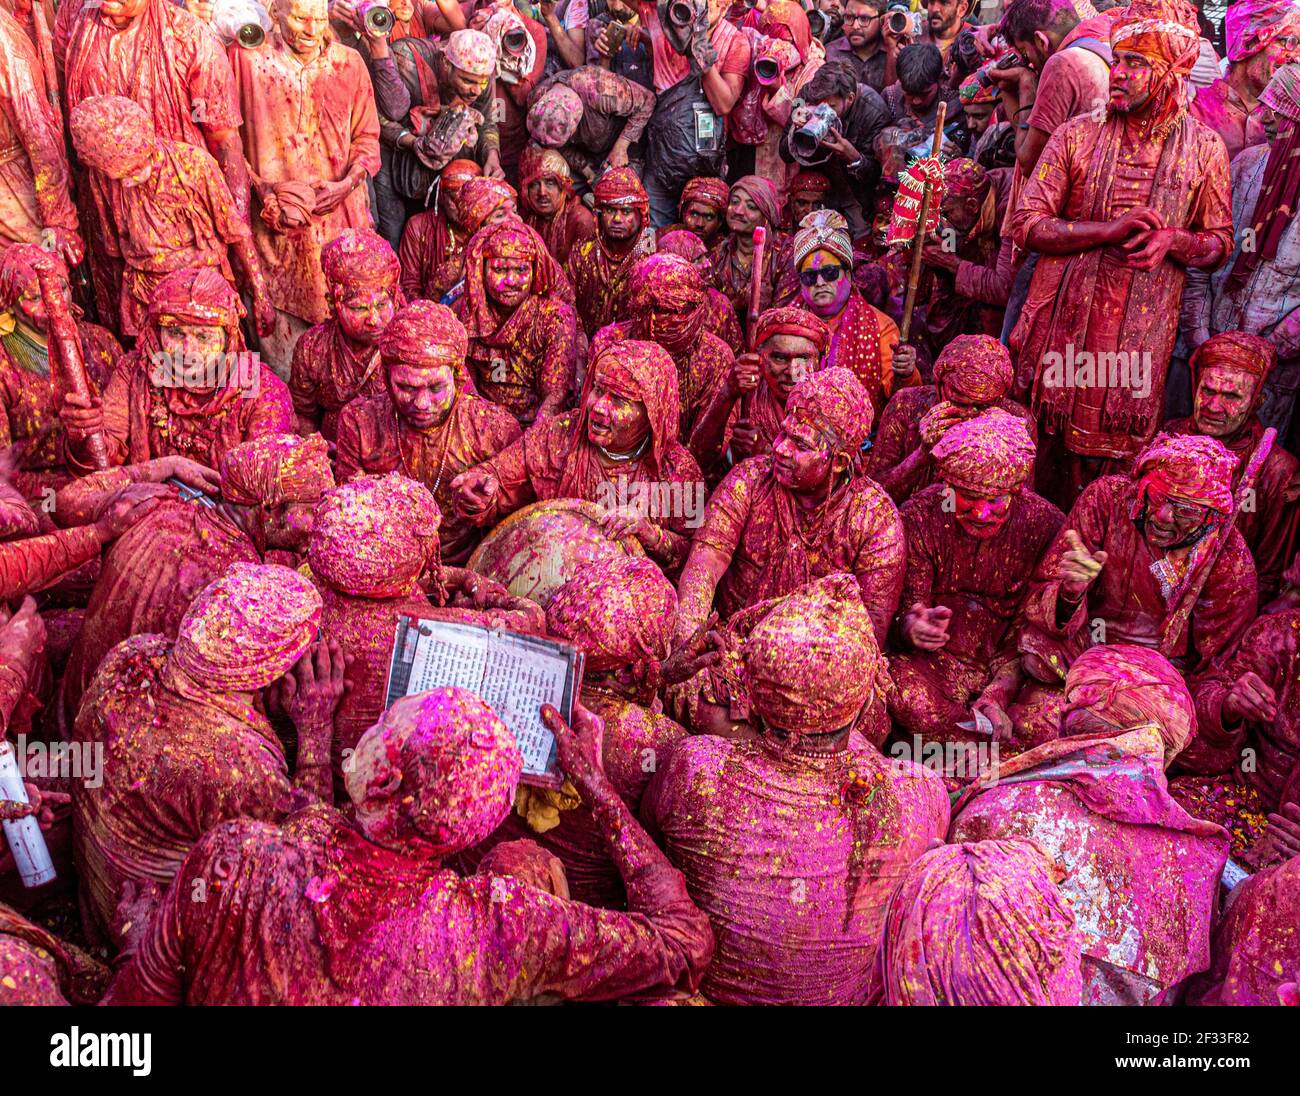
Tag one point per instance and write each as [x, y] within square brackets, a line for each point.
[1099, 322]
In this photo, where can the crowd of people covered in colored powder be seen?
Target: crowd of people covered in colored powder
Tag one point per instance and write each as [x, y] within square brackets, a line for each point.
[893, 402]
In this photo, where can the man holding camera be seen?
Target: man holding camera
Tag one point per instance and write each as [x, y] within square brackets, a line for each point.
[874, 32]
[700, 64]
[845, 152]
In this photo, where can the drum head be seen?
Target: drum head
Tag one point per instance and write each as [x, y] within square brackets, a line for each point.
[536, 550]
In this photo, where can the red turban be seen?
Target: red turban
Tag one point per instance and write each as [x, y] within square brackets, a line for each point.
[808, 184]
[763, 194]
[195, 297]
[357, 258]
[1191, 467]
[276, 469]
[621, 186]
[543, 163]
[1130, 687]
[458, 762]
[979, 923]
[973, 369]
[643, 371]
[479, 198]
[425, 335]
[511, 239]
[457, 173]
[620, 612]
[707, 189]
[374, 536]
[683, 242]
[247, 628]
[666, 282]
[792, 321]
[17, 271]
[836, 404]
[812, 664]
[1235, 349]
[109, 131]
[990, 453]
[965, 179]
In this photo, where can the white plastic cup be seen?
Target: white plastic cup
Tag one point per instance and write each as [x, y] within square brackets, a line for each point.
[26, 841]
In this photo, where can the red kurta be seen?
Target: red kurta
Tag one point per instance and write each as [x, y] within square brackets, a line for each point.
[984, 583]
[1095, 302]
[775, 547]
[372, 440]
[327, 374]
[310, 123]
[432, 254]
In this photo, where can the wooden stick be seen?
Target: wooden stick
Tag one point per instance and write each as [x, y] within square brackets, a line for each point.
[918, 240]
[755, 306]
[66, 362]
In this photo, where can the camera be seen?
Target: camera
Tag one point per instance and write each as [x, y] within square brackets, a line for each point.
[902, 20]
[377, 17]
[767, 71]
[242, 21]
[681, 13]
[1008, 60]
[806, 141]
[819, 23]
[514, 42]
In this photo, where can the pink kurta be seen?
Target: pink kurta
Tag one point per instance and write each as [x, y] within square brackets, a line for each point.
[309, 123]
[775, 547]
[984, 582]
[319, 915]
[794, 877]
[1141, 874]
[177, 761]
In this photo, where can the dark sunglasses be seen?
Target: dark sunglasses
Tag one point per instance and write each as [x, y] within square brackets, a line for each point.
[828, 274]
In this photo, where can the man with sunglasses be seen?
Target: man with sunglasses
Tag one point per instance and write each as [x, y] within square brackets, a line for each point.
[1260, 36]
[869, 44]
[1129, 567]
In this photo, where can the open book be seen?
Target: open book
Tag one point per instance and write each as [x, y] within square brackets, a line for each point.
[514, 674]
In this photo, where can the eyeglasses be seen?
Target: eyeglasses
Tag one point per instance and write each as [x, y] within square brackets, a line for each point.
[862, 18]
[828, 274]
